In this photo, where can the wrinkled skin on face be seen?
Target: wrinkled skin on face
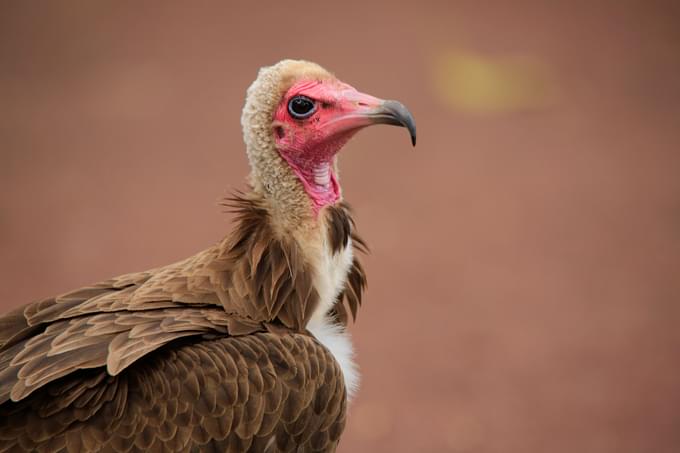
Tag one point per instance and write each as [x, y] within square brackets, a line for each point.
[309, 145]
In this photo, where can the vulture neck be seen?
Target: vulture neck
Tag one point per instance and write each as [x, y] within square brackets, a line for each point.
[293, 205]
[323, 235]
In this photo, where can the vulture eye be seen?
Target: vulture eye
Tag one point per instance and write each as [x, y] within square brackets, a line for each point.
[301, 107]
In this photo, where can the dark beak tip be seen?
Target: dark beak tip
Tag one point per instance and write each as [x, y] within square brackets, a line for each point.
[410, 124]
[403, 117]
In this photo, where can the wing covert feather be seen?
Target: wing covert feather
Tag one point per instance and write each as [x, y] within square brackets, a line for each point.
[284, 392]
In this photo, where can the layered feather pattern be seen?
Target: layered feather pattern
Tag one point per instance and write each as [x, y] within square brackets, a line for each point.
[227, 361]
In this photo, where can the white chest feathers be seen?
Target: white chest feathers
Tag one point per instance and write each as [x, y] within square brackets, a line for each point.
[338, 341]
[331, 276]
[330, 279]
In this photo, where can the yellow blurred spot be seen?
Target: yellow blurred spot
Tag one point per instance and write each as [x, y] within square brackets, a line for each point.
[481, 84]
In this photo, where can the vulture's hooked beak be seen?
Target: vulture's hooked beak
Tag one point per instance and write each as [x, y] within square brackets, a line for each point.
[360, 110]
[396, 114]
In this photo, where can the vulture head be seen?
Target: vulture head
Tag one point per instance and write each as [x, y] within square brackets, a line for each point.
[296, 118]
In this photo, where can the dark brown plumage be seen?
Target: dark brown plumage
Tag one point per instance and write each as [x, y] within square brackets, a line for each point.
[227, 362]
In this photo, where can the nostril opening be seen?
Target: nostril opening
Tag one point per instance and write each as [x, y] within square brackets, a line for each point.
[362, 104]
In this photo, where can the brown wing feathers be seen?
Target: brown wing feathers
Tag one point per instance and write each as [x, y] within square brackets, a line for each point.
[230, 394]
[71, 350]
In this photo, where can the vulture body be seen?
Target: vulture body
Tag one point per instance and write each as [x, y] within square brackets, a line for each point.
[239, 348]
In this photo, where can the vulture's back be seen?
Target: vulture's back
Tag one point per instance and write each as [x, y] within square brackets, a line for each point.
[261, 392]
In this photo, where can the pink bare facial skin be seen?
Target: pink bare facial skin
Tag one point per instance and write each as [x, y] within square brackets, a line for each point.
[310, 144]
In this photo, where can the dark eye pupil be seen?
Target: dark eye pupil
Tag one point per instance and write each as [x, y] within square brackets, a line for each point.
[301, 107]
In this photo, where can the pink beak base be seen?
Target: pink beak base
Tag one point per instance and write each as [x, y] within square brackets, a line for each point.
[365, 110]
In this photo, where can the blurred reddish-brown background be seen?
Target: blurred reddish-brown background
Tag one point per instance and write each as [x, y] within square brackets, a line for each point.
[525, 269]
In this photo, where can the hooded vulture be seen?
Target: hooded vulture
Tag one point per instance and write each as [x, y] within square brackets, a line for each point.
[241, 347]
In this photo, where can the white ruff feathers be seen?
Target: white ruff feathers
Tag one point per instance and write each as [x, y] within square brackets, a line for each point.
[332, 272]
[337, 340]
